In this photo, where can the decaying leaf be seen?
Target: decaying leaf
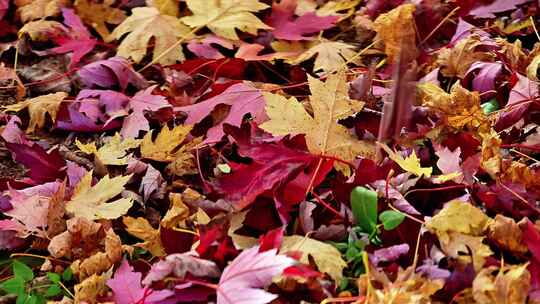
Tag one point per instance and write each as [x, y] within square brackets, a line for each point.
[324, 135]
[90, 288]
[397, 30]
[90, 201]
[141, 228]
[506, 234]
[165, 147]
[38, 107]
[331, 56]
[456, 61]
[225, 16]
[37, 9]
[113, 152]
[326, 256]
[502, 285]
[100, 261]
[146, 23]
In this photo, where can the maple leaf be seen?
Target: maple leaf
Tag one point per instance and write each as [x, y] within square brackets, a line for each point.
[37, 9]
[507, 286]
[410, 164]
[180, 264]
[111, 72]
[242, 98]
[38, 107]
[166, 7]
[457, 60]
[308, 23]
[102, 260]
[163, 148]
[98, 15]
[141, 228]
[141, 102]
[242, 279]
[113, 152]
[324, 135]
[397, 30]
[29, 214]
[331, 56]
[146, 23]
[224, 16]
[44, 166]
[78, 40]
[90, 201]
[507, 234]
[327, 257]
[177, 213]
[152, 183]
[90, 288]
[127, 289]
[497, 6]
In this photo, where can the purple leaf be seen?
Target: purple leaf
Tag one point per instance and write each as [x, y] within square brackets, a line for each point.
[497, 6]
[388, 254]
[127, 289]
[141, 102]
[180, 264]
[152, 182]
[486, 73]
[43, 166]
[109, 73]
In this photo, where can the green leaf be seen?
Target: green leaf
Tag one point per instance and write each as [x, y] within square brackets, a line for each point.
[391, 219]
[14, 285]
[54, 277]
[490, 106]
[364, 208]
[67, 275]
[224, 168]
[53, 291]
[22, 271]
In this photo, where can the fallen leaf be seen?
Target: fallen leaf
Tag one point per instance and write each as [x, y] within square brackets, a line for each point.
[109, 73]
[144, 24]
[330, 56]
[164, 147]
[225, 16]
[30, 214]
[166, 7]
[456, 61]
[90, 288]
[177, 212]
[113, 152]
[507, 286]
[179, 265]
[90, 202]
[410, 164]
[100, 261]
[98, 15]
[37, 9]
[152, 184]
[326, 257]
[324, 135]
[397, 30]
[38, 108]
[497, 6]
[243, 278]
[141, 229]
[127, 289]
[506, 234]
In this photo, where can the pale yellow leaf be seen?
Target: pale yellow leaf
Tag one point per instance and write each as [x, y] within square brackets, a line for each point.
[146, 23]
[41, 30]
[141, 228]
[165, 7]
[331, 56]
[177, 213]
[91, 202]
[163, 148]
[324, 135]
[326, 256]
[223, 17]
[90, 288]
[38, 107]
[37, 9]
[114, 152]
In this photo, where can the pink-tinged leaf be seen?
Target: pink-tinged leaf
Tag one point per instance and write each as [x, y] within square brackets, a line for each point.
[484, 75]
[29, 213]
[519, 99]
[242, 98]
[449, 161]
[77, 121]
[251, 270]
[179, 265]
[204, 48]
[141, 102]
[250, 52]
[465, 29]
[497, 6]
[531, 238]
[102, 105]
[115, 71]
[79, 41]
[43, 166]
[389, 254]
[4, 6]
[272, 164]
[13, 134]
[288, 28]
[8, 238]
[127, 289]
[74, 173]
[152, 183]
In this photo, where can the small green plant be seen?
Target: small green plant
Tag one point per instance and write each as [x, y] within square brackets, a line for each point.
[31, 290]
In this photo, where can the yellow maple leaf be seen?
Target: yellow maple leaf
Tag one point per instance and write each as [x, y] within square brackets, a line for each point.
[38, 107]
[164, 147]
[166, 7]
[223, 17]
[36, 9]
[397, 30]
[146, 23]
[326, 256]
[98, 15]
[90, 201]
[41, 30]
[141, 228]
[114, 152]
[456, 61]
[491, 153]
[410, 164]
[90, 288]
[331, 56]
[177, 213]
[324, 135]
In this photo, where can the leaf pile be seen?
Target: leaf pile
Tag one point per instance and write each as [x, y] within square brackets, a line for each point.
[269, 151]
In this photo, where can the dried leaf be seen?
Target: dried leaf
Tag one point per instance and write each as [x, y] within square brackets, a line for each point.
[164, 147]
[410, 164]
[98, 15]
[90, 288]
[506, 234]
[508, 286]
[113, 152]
[456, 61]
[141, 228]
[397, 30]
[37, 9]
[177, 212]
[38, 107]
[331, 56]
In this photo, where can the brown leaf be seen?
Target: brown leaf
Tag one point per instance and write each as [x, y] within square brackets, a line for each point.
[57, 208]
[7, 77]
[37, 9]
[101, 261]
[456, 61]
[509, 285]
[90, 288]
[506, 234]
[141, 228]
[78, 228]
[177, 212]
[98, 15]
[38, 107]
